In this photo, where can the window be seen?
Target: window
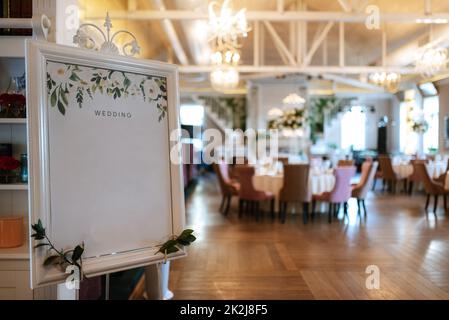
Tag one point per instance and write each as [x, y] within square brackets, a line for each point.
[192, 114]
[353, 129]
[430, 109]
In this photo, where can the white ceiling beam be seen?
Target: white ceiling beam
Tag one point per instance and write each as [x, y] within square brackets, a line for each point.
[171, 34]
[324, 52]
[352, 82]
[317, 42]
[345, 5]
[270, 16]
[280, 6]
[384, 48]
[341, 46]
[132, 5]
[256, 44]
[304, 69]
[280, 45]
[304, 41]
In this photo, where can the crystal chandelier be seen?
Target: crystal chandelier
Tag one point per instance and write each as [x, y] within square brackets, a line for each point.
[293, 100]
[388, 80]
[431, 60]
[225, 25]
[226, 30]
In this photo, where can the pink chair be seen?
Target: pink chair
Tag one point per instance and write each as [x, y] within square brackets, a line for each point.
[248, 195]
[339, 194]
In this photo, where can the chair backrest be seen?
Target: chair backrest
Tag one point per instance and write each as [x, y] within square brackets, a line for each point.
[296, 183]
[414, 176]
[345, 163]
[386, 168]
[369, 170]
[245, 177]
[423, 175]
[342, 189]
[221, 170]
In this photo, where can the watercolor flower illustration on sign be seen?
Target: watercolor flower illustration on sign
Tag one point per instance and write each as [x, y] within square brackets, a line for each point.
[83, 82]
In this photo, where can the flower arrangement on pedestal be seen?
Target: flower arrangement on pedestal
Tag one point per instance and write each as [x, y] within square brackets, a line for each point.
[291, 122]
[8, 166]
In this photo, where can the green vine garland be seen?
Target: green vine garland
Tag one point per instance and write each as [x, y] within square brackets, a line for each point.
[74, 256]
[61, 257]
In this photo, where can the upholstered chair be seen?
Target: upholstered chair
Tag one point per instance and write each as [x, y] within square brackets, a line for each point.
[360, 190]
[431, 187]
[340, 194]
[248, 195]
[389, 177]
[295, 189]
[228, 187]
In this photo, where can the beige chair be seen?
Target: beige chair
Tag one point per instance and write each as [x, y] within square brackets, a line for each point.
[442, 178]
[295, 189]
[414, 177]
[432, 188]
[360, 190]
[389, 177]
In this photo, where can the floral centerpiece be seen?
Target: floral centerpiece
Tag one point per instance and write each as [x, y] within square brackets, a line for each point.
[8, 167]
[292, 119]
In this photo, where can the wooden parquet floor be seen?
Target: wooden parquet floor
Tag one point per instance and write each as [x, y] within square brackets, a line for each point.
[241, 258]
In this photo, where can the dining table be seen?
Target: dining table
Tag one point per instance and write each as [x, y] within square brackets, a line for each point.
[405, 169]
[319, 181]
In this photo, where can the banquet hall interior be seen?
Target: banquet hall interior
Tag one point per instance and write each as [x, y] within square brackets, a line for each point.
[315, 145]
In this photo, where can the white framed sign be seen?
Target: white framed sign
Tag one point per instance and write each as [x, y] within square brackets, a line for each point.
[99, 158]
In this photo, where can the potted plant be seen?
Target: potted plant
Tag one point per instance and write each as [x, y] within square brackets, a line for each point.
[8, 167]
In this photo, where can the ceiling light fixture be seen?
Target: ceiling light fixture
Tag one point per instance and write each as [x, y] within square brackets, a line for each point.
[226, 30]
[293, 100]
[226, 25]
[388, 80]
[430, 60]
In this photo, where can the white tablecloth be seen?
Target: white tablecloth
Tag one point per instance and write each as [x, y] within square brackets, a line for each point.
[403, 170]
[318, 183]
[435, 169]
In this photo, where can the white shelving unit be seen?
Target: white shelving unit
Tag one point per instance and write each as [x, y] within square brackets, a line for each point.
[14, 262]
[14, 187]
[13, 121]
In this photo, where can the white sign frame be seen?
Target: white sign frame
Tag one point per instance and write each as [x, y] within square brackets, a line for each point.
[38, 106]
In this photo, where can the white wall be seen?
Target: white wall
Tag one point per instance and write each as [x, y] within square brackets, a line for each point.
[265, 95]
[332, 131]
[443, 90]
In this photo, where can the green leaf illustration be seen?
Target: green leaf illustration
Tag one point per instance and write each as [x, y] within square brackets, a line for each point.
[53, 98]
[77, 253]
[61, 108]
